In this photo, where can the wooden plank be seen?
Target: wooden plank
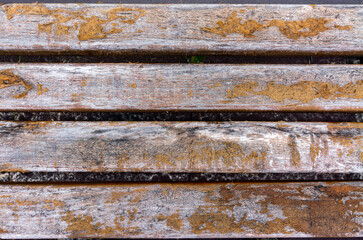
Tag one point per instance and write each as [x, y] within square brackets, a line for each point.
[317, 209]
[196, 1]
[143, 87]
[226, 147]
[199, 28]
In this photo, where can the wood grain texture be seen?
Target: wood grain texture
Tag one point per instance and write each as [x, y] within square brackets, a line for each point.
[226, 147]
[199, 28]
[143, 87]
[317, 209]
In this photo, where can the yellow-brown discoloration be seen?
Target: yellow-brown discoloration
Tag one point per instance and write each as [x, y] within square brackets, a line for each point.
[84, 226]
[295, 158]
[309, 27]
[8, 79]
[304, 91]
[301, 213]
[53, 204]
[347, 143]
[173, 221]
[3, 231]
[8, 167]
[215, 85]
[233, 25]
[316, 150]
[41, 89]
[133, 85]
[242, 89]
[35, 125]
[88, 27]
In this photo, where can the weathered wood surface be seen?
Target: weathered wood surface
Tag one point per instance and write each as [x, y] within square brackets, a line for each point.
[199, 28]
[227, 147]
[125, 87]
[317, 209]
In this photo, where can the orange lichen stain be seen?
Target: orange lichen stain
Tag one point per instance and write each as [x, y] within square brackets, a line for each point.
[200, 153]
[122, 159]
[133, 85]
[316, 150]
[295, 158]
[88, 27]
[41, 89]
[172, 221]
[53, 204]
[310, 209]
[233, 25]
[84, 226]
[8, 167]
[282, 126]
[83, 83]
[309, 27]
[8, 79]
[132, 214]
[163, 160]
[3, 231]
[191, 94]
[241, 89]
[313, 6]
[215, 85]
[225, 102]
[304, 91]
[34, 125]
[343, 27]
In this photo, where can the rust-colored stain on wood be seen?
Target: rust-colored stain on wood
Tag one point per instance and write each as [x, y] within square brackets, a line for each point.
[41, 89]
[173, 221]
[8, 167]
[84, 225]
[309, 27]
[8, 79]
[316, 149]
[88, 27]
[304, 91]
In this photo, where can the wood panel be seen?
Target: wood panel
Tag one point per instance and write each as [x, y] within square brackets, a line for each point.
[317, 209]
[143, 87]
[226, 147]
[197, 28]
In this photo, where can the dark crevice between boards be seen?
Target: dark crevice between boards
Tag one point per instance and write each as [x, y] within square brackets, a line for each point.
[178, 58]
[119, 177]
[183, 116]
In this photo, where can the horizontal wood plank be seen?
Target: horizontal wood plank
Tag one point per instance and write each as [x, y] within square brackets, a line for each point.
[317, 209]
[197, 28]
[225, 147]
[143, 87]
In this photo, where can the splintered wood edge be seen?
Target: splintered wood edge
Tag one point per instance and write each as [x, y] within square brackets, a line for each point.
[222, 28]
[225, 147]
[312, 209]
[189, 87]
